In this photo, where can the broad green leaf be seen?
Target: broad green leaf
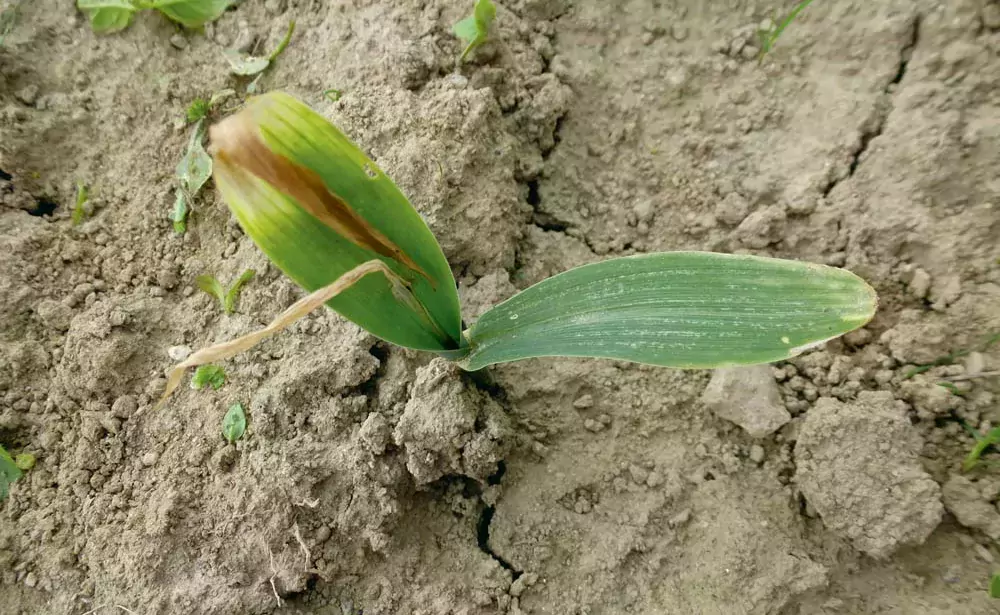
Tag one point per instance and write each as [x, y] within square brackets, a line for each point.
[234, 424]
[9, 472]
[195, 167]
[107, 16]
[467, 29]
[210, 285]
[191, 13]
[318, 207]
[485, 11]
[675, 309]
[995, 586]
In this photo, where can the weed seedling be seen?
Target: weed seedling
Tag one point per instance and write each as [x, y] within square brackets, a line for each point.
[248, 66]
[326, 215]
[208, 375]
[226, 298]
[108, 16]
[950, 359]
[9, 472]
[234, 424]
[982, 443]
[79, 213]
[768, 38]
[332, 94]
[192, 172]
[201, 109]
[475, 29]
[995, 585]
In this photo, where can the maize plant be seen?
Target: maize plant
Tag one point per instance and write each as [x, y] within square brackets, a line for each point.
[331, 220]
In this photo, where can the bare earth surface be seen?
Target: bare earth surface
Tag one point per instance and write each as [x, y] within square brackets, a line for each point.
[379, 481]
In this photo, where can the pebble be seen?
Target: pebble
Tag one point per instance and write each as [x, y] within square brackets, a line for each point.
[757, 453]
[583, 402]
[149, 459]
[655, 479]
[178, 41]
[920, 284]
[680, 518]
[592, 425]
[179, 353]
[984, 554]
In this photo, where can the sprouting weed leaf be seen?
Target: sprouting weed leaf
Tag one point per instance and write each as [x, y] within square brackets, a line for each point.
[951, 388]
[768, 38]
[210, 375]
[474, 30]
[234, 291]
[9, 472]
[982, 443]
[234, 424]
[197, 110]
[79, 213]
[995, 586]
[226, 298]
[107, 16]
[24, 461]
[949, 359]
[179, 214]
[211, 286]
[248, 66]
[332, 94]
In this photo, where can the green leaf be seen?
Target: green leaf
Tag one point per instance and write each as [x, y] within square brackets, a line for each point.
[195, 167]
[179, 213]
[24, 461]
[191, 13]
[318, 207]
[995, 586]
[107, 16]
[245, 65]
[9, 472]
[485, 11]
[210, 375]
[210, 285]
[79, 213]
[467, 29]
[229, 302]
[675, 309]
[474, 30]
[234, 424]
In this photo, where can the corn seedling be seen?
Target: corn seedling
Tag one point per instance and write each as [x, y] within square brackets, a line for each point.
[79, 212]
[327, 216]
[234, 423]
[226, 298]
[208, 375]
[9, 472]
[769, 37]
[475, 29]
[193, 171]
[108, 16]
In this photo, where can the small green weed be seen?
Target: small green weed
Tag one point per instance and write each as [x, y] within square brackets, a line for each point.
[982, 444]
[249, 66]
[79, 213]
[332, 94]
[108, 16]
[234, 424]
[768, 38]
[950, 359]
[995, 585]
[24, 461]
[474, 30]
[193, 171]
[208, 375]
[201, 109]
[227, 298]
[9, 472]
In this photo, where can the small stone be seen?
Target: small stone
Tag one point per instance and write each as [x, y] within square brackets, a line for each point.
[31, 580]
[984, 554]
[179, 353]
[654, 480]
[639, 474]
[679, 32]
[178, 41]
[149, 459]
[124, 407]
[583, 402]
[749, 397]
[920, 284]
[522, 583]
[582, 506]
[323, 534]
[457, 81]
[757, 453]
[732, 209]
[605, 419]
[592, 425]
[991, 16]
[680, 518]
[28, 94]
[274, 7]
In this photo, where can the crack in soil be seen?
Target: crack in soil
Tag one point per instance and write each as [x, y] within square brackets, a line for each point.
[869, 135]
[483, 526]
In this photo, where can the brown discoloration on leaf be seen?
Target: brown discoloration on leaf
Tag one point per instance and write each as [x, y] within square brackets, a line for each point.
[235, 143]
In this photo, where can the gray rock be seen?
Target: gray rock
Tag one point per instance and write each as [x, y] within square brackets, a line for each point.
[858, 465]
[964, 499]
[749, 397]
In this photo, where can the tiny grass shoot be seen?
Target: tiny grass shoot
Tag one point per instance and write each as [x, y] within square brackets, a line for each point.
[768, 38]
[234, 423]
[197, 110]
[226, 298]
[474, 30]
[249, 66]
[982, 444]
[208, 375]
[949, 359]
[9, 472]
[330, 219]
[82, 195]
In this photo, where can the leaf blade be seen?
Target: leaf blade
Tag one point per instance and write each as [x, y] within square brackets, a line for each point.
[191, 13]
[234, 423]
[107, 16]
[675, 309]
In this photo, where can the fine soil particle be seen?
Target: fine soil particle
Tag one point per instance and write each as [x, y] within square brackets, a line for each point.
[374, 480]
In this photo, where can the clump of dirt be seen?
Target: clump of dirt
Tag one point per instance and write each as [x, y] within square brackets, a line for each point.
[373, 479]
